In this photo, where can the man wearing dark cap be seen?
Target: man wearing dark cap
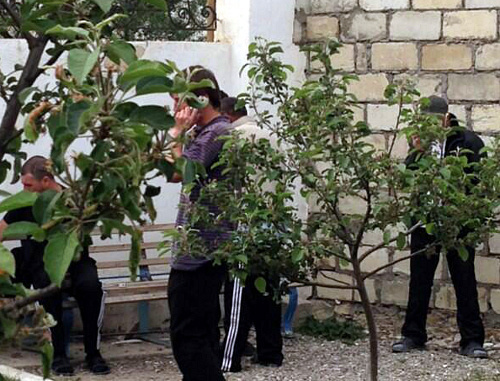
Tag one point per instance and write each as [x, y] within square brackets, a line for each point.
[422, 267]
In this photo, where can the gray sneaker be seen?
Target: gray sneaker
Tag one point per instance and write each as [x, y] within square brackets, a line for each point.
[474, 350]
[406, 345]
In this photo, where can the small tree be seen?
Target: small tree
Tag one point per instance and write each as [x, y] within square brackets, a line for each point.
[322, 147]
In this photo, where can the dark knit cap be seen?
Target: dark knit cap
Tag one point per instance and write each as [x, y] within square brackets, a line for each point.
[437, 105]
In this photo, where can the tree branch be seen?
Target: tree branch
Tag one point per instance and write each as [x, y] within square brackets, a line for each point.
[38, 295]
[17, 20]
[382, 244]
[421, 251]
[334, 279]
[318, 284]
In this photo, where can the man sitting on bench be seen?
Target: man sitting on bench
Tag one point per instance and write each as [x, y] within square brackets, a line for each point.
[85, 285]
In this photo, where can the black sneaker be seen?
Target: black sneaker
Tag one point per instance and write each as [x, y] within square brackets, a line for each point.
[97, 364]
[474, 350]
[62, 367]
[249, 350]
[406, 345]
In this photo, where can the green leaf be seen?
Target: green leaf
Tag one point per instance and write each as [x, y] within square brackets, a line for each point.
[121, 50]
[47, 352]
[401, 241]
[430, 228]
[152, 85]
[69, 33]
[446, 173]
[105, 5]
[463, 253]
[7, 260]
[23, 229]
[81, 62]
[166, 168]
[76, 116]
[42, 209]
[260, 284]
[188, 172]
[59, 253]
[25, 93]
[160, 4]
[387, 237]
[19, 200]
[154, 116]
[9, 327]
[143, 68]
[297, 255]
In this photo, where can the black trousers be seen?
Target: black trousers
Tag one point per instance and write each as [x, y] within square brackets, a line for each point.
[84, 285]
[245, 306]
[422, 269]
[193, 298]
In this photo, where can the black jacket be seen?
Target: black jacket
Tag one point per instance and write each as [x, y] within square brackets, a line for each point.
[463, 139]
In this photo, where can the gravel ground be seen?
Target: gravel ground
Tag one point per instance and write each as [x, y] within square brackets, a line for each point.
[313, 359]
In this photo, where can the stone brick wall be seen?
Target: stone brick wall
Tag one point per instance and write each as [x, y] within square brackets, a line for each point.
[451, 48]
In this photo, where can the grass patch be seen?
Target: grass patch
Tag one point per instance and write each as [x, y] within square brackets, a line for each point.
[332, 329]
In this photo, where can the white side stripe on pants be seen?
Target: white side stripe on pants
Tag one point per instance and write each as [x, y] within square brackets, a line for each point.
[100, 319]
[233, 326]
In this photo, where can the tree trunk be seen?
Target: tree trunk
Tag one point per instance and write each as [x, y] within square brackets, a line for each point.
[28, 77]
[370, 319]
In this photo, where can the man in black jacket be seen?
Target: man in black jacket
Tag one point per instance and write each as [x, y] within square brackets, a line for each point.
[423, 267]
[85, 284]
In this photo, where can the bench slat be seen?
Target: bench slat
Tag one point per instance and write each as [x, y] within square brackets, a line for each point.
[120, 247]
[136, 298]
[124, 264]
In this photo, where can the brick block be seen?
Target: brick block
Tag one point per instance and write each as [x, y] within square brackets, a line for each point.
[436, 4]
[461, 113]
[369, 87]
[361, 58]
[495, 300]
[297, 31]
[382, 117]
[378, 141]
[470, 25]
[353, 205]
[380, 5]
[334, 293]
[446, 57]
[400, 150]
[410, 25]
[473, 87]
[365, 27]
[487, 270]
[375, 261]
[446, 299]
[482, 4]
[395, 292]
[343, 60]
[321, 27]
[402, 267]
[328, 6]
[427, 84]
[487, 57]
[486, 118]
[494, 244]
[359, 113]
[371, 289]
[373, 237]
[394, 56]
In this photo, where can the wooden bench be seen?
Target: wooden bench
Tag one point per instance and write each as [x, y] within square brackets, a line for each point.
[146, 288]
